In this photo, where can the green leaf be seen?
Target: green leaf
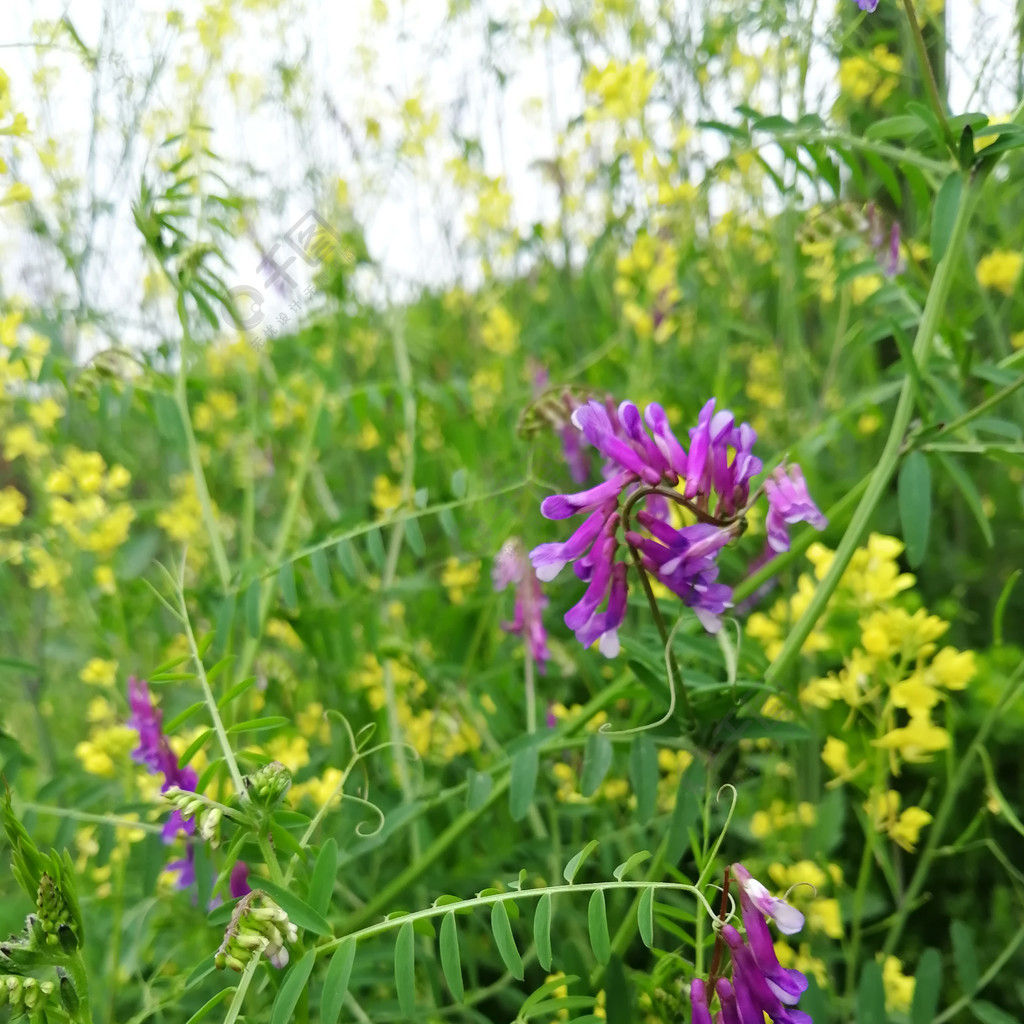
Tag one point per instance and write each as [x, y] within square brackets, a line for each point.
[965, 957]
[451, 962]
[286, 584]
[927, 987]
[339, 971]
[962, 479]
[301, 914]
[947, 202]
[597, 759]
[643, 773]
[572, 869]
[375, 547]
[321, 571]
[684, 814]
[236, 691]
[259, 724]
[321, 885]
[871, 995]
[459, 483]
[291, 988]
[542, 931]
[915, 504]
[252, 609]
[531, 1006]
[1000, 610]
[405, 969]
[629, 863]
[346, 559]
[194, 747]
[645, 916]
[210, 1004]
[504, 940]
[179, 720]
[989, 1013]
[480, 785]
[523, 781]
[891, 127]
[597, 924]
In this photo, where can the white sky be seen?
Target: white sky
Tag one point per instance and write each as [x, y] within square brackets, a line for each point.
[405, 216]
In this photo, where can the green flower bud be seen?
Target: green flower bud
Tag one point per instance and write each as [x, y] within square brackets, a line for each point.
[208, 824]
[268, 785]
[68, 994]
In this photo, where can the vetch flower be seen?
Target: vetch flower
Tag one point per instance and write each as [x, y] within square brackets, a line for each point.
[646, 460]
[788, 503]
[788, 919]
[511, 566]
[868, 6]
[699, 1002]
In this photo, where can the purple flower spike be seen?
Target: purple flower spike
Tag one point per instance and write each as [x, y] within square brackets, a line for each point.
[699, 1002]
[511, 566]
[550, 559]
[709, 434]
[787, 983]
[788, 919]
[788, 503]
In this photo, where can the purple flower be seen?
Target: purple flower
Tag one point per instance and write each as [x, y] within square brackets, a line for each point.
[868, 5]
[788, 503]
[154, 751]
[788, 919]
[787, 983]
[715, 478]
[727, 999]
[699, 1002]
[239, 882]
[512, 566]
[754, 996]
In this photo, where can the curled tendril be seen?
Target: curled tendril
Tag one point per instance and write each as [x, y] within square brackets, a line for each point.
[717, 921]
[373, 806]
[703, 901]
[335, 713]
[409, 749]
[797, 885]
[669, 661]
[725, 828]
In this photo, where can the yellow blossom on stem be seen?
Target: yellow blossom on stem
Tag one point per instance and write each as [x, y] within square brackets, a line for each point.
[12, 506]
[99, 672]
[1000, 270]
[916, 741]
[899, 987]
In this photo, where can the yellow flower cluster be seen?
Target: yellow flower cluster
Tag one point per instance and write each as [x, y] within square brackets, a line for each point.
[99, 672]
[899, 987]
[499, 331]
[1000, 270]
[889, 683]
[873, 77]
[460, 578]
[16, 192]
[619, 91]
[780, 816]
[182, 519]
[647, 282]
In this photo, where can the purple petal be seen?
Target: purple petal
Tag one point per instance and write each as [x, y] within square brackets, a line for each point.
[562, 506]
[668, 445]
[699, 1002]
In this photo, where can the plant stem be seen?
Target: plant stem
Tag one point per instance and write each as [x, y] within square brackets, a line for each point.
[211, 703]
[1015, 689]
[270, 856]
[928, 74]
[889, 459]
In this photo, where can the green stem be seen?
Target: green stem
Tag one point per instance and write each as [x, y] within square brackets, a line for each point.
[243, 986]
[931, 86]
[80, 979]
[284, 530]
[211, 703]
[270, 856]
[997, 965]
[889, 459]
[400, 882]
[220, 557]
[1015, 689]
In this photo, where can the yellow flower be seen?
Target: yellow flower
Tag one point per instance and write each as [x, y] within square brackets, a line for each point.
[386, 496]
[864, 286]
[1000, 270]
[459, 579]
[99, 672]
[952, 669]
[915, 695]
[824, 916]
[906, 830]
[292, 752]
[45, 414]
[899, 987]
[873, 77]
[21, 440]
[94, 760]
[836, 755]
[916, 741]
[12, 506]
[310, 721]
[499, 332]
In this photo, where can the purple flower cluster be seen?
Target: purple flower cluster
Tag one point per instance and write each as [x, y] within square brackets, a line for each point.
[760, 984]
[154, 751]
[712, 479]
[512, 566]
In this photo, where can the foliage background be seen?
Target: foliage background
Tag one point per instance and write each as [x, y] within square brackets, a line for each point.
[673, 239]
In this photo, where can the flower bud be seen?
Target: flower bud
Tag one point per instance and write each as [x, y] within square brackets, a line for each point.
[268, 785]
[208, 824]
